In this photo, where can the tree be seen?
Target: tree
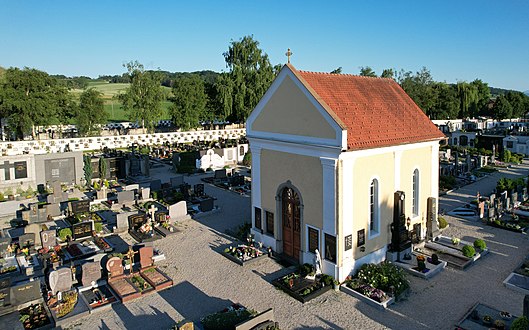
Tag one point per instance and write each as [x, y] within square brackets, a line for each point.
[90, 112]
[468, 98]
[420, 87]
[337, 70]
[189, 102]
[366, 71]
[102, 168]
[502, 109]
[483, 96]
[388, 73]
[250, 74]
[446, 104]
[143, 98]
[87, 169]
[30, 98]
[516, 100]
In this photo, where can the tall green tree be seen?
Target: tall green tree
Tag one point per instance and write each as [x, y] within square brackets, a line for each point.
[249, 76]
[366, 71]
[483, 96]
[446, 104]
[30, 98]
[502, 109]
[420, 87]
[143, 98]
[189, 102]
[91, 112]
[516, 100]
[388, 73]
[468, 99]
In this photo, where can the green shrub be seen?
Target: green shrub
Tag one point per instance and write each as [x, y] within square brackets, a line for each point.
[521, 323]
[305, 269]
[64, 233]
[442, 223]
[2, 197]
[98, 226]
[468, 251]
[384, 276]
[480, 244]
[327, 279]
[154, 195]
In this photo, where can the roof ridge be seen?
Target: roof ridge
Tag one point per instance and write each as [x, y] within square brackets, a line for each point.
[344, 74]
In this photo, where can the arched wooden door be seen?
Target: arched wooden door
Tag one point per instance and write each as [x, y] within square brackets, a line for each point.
[291, 219]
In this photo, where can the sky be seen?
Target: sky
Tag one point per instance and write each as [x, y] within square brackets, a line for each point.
[455, 40]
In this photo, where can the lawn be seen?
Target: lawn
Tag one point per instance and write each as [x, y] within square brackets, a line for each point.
[117, 114]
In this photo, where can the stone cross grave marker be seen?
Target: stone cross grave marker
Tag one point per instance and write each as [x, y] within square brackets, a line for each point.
[34, 230]
[90, 273]
[48, 238]
[114, 267]
[146, 254]
[130, 255]
[60, 280]
[26, 240]
[178, 211]
[152, 212]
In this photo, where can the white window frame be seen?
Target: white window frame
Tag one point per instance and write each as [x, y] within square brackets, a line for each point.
[415, 188]
[374, 208]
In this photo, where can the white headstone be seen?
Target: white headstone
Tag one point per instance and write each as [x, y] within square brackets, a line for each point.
[145, 193]
[132, 187]
[60, 280]
[178, 211]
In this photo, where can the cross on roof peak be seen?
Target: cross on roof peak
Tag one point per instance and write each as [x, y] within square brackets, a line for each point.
[288, 54]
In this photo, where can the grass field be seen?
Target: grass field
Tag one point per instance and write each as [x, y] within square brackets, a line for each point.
[113, 106]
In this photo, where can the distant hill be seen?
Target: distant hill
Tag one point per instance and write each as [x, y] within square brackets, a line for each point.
[526, 92]
[498, 91]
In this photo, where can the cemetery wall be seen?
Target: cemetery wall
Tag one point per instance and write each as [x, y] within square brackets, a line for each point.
[305, 174]
[114, 142]
[303, 118]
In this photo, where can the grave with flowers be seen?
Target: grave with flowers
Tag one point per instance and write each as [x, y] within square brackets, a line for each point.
[244, 254]
[305, 284]
[379, 285]
[421, 265]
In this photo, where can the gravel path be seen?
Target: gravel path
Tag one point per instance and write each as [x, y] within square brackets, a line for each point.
[206, 282]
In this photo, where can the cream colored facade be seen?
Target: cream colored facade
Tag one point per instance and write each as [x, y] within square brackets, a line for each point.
[296, 144]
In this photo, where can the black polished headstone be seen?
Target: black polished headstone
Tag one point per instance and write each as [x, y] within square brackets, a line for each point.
[82, 229]
[399, 236]
[80, 206]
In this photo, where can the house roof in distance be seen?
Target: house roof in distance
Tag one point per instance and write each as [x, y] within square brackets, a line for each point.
[376, 112]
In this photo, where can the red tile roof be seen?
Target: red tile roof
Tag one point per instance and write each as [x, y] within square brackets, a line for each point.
[376, 112]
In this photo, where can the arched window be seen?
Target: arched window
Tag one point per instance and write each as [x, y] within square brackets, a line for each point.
[373, 207]
[415, 197]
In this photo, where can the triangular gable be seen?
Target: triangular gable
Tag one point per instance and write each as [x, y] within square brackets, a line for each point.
[288, 111]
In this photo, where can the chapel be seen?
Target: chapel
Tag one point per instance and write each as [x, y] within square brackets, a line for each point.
[329, 154]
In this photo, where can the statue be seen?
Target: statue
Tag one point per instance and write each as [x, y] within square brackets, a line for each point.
[317, 262]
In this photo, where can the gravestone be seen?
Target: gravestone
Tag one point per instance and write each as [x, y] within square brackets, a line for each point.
[133, 186]
[399, 236]
[122, 221]
[507, 203]
[90, 273]
[27, 240]
[178, 211]
[26, 292]
[34, 230]
[199, 189]
[206, 205]
[53, 210]
[492, 199]
[80, 206]
[514, 198]
[156, 185]
[82, 229]
[101, 194]
[145, 193]
[126, 196]
[114, 267]
[48, 238]
[220, 174]
[184, 189]
[50, 198]
[237, 180]
[432, 225]
[60, 280]
[176, 181]
[146, 254]
[56, 187]
[136, 221]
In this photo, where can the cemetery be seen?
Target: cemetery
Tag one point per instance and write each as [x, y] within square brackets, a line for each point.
[243, 254]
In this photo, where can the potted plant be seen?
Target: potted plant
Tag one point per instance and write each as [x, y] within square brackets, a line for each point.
[456, 240]
[487, 320]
